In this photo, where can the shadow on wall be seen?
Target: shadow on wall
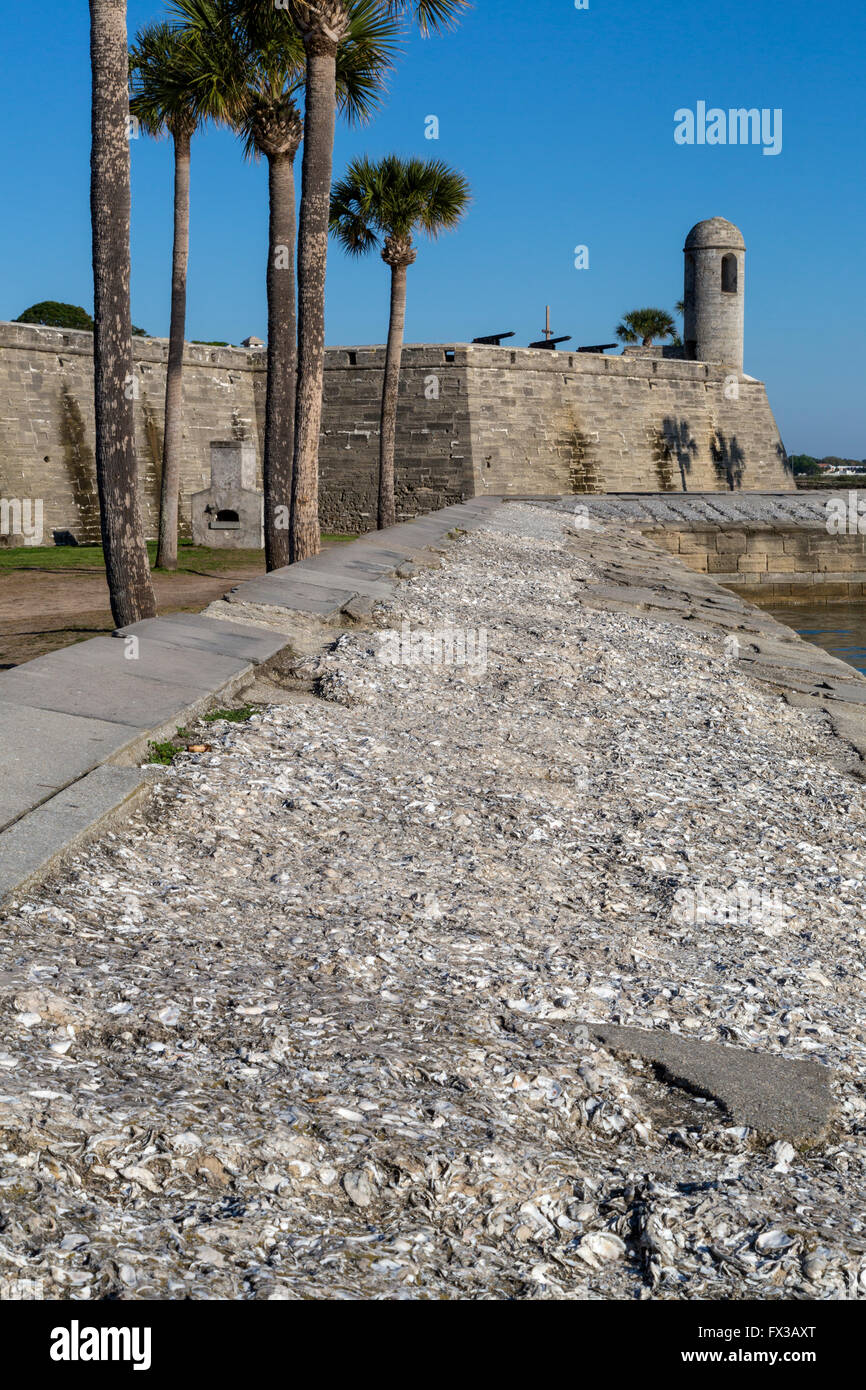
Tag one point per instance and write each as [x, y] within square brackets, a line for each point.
[151, 474]
[583, 473]
[80, 464]
[728, 458]
[678, 444]
[153, 435]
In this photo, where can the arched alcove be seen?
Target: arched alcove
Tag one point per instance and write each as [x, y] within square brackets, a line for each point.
[729, 273]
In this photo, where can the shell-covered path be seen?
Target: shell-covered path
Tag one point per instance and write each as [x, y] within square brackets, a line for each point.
[310, 1024]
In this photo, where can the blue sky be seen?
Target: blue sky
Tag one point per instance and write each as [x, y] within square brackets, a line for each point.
[563, 121]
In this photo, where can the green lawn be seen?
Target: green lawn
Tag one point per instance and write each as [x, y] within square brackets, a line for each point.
[191, 558]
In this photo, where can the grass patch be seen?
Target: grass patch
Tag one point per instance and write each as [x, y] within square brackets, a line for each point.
[88, 558]
[200, 559]
[204, 559]
[231, 716]
[164, 753]
[51, 557]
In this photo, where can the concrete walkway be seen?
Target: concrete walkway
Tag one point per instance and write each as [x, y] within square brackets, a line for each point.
[75, 724]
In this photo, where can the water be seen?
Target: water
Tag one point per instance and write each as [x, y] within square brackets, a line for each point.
[840, 628]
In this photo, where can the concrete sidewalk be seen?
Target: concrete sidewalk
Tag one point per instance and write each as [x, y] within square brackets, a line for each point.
[75, 724]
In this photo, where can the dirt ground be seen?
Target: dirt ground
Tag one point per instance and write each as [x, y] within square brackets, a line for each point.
[42, 608]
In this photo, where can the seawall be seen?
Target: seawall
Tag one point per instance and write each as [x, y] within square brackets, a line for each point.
[773, 564]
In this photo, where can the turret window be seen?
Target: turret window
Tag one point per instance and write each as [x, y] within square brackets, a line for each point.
[729, 274]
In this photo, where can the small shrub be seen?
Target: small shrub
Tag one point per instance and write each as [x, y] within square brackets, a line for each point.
[164, 753]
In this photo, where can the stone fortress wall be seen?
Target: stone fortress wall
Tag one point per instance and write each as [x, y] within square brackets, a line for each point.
[473, 420]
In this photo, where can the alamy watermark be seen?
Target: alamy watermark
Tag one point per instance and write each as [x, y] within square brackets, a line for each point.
[846, 516]
[737, 126]
[446, 646]
[77, 1343]
[22, 516]
[22, 1290]
[739, 906]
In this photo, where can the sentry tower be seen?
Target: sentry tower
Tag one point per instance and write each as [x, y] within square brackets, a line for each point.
[715, 267]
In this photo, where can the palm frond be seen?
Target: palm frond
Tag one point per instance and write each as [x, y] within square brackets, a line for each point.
[364, 59]
[646, 324]
[249, 63]
[431, 16]
[159, 79]
[393, 197]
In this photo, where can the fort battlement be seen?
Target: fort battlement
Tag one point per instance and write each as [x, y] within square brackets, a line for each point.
[473, 420]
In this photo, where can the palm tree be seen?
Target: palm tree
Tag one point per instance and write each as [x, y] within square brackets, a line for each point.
[252, 86]
[257, 90]
[676, 336]
[642, 325]
[391, 200]
[213, 65]
[324, 25]
[162, 70]
[126, 563]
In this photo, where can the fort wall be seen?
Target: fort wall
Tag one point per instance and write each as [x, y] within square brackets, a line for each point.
[473, 420]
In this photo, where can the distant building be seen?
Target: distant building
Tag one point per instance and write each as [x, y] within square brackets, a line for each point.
[252, 343]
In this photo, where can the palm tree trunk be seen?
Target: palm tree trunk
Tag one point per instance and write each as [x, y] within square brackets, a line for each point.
[282, 361]
[319, 121]
[387, 515]
[166, 554]
[126, 562]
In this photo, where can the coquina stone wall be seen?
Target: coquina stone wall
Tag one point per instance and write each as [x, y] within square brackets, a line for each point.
[472, 420]
[773, 563]
[548, 422]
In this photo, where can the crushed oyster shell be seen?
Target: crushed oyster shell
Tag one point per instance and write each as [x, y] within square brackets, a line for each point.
[308, 1025]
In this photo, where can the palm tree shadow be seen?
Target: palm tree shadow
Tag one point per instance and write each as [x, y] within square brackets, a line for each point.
[680, 444]
[728, 458]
